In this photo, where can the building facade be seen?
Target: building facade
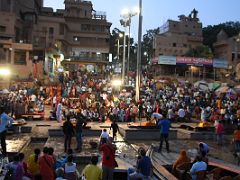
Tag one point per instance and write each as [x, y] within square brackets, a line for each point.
[228, 48]
[177, 37]
[70, 38]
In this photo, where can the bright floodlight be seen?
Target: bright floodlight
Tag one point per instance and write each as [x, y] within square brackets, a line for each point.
[120, 35]
[5, 72]
[135, 10]
[125, 12]
[116, 82]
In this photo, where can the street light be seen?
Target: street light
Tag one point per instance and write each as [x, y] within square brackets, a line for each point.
[127, 14]
[138, 74]
[118, 45]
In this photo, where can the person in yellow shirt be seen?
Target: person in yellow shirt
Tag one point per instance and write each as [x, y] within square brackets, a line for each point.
[32, 162]
[92, 171]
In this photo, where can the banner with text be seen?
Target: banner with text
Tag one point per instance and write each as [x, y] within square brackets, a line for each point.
[220, 63]
[167, 60]
[194, 61]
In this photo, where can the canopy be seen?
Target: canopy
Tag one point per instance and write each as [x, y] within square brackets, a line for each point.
[201, 85]
[214, 85]
[4, 91]
[223, 89]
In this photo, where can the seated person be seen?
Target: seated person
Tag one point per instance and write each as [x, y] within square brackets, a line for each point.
[62, 161]
[60, 174]
[12, 166]
[200, 165]
[144, 167]
[92, 171]
[182, 159]
[70, 169]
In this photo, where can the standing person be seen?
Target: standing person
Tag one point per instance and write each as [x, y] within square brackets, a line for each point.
[79, 126]
[203, 148]
[108, 161]
[219, 132]
[114, 127]
[46, 165]
[5, 122]
[59, 112]
[236, 139]
[92, 171]
[68, 133]
[164, 126]
[104, 136]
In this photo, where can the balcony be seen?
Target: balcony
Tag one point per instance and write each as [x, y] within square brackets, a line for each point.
[100, 15]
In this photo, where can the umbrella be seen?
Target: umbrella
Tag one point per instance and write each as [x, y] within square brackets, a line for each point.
[223, 89]
[231, 93]
[201, 85]
[237, 88]
[5, 91]
[196, 84]
[214, 86]
[156, 115]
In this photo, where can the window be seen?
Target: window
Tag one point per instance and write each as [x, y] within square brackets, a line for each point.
[2, 28]
[85, 13]
[51, 30]
[184, 45]
[85, 27]
[20, 57]
[174, 44]
[2, 55]
[61, 29]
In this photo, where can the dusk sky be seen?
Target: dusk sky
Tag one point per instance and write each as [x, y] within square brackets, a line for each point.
[156, 12]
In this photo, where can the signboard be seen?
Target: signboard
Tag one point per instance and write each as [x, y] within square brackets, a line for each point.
[220, 63]
[167, 60]
[194, 61]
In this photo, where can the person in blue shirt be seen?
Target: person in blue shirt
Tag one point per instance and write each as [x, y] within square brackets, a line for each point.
[5, 123]
[200, 165]
[143, 167]
[164, 124]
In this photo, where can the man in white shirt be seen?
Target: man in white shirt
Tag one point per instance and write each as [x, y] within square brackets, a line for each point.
[181, 115]
[104, 136]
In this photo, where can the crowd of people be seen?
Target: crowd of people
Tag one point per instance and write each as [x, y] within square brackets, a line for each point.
[83, 97]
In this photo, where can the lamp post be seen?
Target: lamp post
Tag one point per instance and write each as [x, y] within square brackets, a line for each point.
[127, 18]
[138, 74]
[118, 45]
[123, 23]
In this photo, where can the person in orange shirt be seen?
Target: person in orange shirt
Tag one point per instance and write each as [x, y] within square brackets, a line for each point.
[236, 138]
[46, 164]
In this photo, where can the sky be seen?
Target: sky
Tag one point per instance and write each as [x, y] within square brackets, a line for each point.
[157, 12]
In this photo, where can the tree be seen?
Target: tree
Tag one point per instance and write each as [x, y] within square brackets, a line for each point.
[200, 51]
[147, 44]
[210, 32]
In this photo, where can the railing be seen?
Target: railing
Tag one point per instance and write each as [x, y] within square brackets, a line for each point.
[99, 15]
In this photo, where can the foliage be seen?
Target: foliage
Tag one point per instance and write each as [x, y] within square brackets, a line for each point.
[147, 44]
[210, 32]
[200, 51]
